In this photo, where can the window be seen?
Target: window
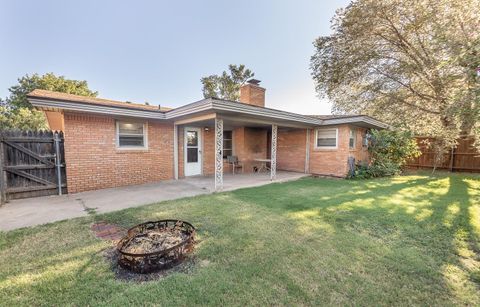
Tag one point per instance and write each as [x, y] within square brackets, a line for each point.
[131, 135]
[353, 138]
[227, 144]
[327, 138]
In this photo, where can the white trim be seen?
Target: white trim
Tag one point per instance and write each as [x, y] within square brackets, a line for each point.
[273, 153]
[326, 147]
[117, 136]
[218, 154]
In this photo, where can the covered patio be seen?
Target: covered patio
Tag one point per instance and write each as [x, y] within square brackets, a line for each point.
[209, 141]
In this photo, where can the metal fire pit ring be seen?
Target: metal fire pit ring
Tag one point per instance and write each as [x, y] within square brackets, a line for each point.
[158, 259]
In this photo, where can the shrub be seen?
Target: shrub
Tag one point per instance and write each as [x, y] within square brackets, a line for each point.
[389, 151]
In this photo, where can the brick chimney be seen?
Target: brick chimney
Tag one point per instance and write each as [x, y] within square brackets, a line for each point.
[252, 93]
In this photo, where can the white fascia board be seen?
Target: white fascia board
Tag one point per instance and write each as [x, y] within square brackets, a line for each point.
[356, 119]
[97, 109]
[190, 109]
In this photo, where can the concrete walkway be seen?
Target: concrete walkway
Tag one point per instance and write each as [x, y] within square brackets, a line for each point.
[41, 210]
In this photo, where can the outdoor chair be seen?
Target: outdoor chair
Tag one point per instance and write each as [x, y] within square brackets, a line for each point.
[233, 160]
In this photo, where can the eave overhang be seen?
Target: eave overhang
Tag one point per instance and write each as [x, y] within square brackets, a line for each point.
[210, 105]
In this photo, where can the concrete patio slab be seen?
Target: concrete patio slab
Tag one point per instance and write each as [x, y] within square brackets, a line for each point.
[41, 210]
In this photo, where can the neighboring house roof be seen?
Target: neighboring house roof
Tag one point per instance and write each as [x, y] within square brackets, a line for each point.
[54, 100]
[51, 95]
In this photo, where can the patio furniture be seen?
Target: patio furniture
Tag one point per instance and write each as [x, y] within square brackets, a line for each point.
[263, 165]
[233, 160]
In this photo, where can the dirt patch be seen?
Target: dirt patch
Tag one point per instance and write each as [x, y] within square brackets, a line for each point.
[187, 266]
[109, 232]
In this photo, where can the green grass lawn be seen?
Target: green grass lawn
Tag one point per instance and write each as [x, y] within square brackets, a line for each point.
[409, 240]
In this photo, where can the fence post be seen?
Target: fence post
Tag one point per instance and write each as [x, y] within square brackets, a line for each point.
[3, 183]
[452, 158]
[58, 161]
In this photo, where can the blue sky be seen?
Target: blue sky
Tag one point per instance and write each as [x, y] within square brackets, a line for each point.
[157, 51]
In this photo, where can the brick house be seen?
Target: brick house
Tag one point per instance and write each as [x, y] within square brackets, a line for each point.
[111, 143]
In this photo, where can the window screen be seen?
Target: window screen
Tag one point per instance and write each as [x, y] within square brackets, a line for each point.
[130, 134]
[326, 138]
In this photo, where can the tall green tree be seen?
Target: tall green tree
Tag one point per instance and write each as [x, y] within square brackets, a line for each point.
[410, 63]
[17, 113]
[227, 85]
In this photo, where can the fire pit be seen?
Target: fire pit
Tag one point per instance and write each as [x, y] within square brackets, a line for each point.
[153, 246]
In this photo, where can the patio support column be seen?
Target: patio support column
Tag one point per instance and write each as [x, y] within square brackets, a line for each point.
[273, 162]
[175, 152]
[218, 154]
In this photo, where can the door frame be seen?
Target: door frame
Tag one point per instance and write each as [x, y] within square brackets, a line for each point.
[200, 150]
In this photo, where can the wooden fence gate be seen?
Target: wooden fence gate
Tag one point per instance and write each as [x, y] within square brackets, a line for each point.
[31, 164]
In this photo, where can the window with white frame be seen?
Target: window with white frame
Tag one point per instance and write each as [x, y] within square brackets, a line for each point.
[326, 138]
[131, 135]
[227, 143]
[353, 138]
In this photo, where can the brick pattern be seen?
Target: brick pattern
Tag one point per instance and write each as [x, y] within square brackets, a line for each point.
[291, 151]
[252, 94]
[254, 144]
[94, 162]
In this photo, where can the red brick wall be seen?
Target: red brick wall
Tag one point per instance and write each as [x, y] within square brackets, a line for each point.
[208, 151]
[254, 147]
[94, 162]
[334, 162]
[330, 162]
[291, 149]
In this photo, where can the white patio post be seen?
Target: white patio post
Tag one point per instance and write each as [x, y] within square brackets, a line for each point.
[273, 162]
[175, 152]
[218, 154]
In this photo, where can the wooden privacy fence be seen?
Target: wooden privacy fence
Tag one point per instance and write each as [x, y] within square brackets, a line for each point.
[31, 164]
[463, 158]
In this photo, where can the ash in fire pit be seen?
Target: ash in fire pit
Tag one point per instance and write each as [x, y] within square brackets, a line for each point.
[153, 246]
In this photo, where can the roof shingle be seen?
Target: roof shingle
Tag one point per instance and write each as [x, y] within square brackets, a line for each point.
[38, 93]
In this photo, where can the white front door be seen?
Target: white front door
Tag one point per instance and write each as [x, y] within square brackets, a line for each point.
[193, 151]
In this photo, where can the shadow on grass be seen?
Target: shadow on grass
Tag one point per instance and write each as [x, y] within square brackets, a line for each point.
[423, 224]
